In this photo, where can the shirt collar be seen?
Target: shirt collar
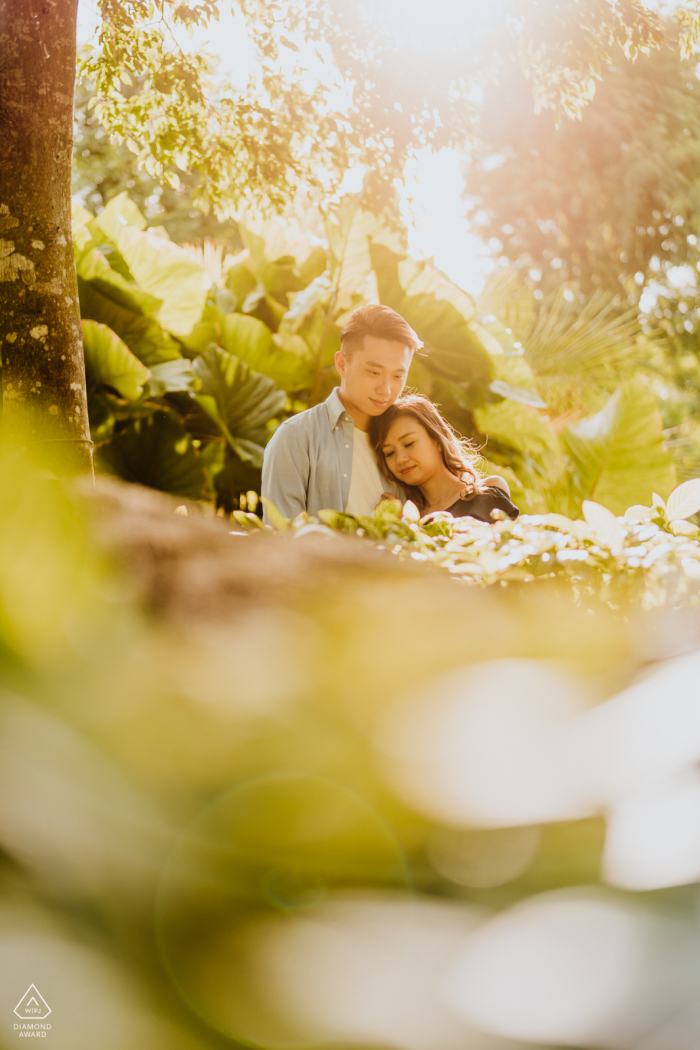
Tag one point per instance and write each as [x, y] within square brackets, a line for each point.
[334, 406]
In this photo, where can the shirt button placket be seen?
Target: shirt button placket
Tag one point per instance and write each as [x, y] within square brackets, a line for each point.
[346, 420]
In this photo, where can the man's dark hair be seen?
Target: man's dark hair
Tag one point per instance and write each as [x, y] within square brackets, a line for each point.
[380, 321]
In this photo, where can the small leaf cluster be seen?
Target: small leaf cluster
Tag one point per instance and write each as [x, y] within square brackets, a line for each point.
[400, 91]
[165, 104]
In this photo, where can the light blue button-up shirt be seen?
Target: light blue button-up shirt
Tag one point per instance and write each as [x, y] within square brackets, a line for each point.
[308, 462]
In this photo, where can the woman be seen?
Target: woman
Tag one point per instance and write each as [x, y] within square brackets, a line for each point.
[415, 445]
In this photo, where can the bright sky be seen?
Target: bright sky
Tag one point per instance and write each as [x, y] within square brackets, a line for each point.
[438, 227]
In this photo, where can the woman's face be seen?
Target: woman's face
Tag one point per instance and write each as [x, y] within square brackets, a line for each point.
[411, 453]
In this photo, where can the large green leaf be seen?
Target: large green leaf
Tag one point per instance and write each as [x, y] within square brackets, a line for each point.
[240, 279]
[313, 265]
[438, 310]
[120, 211]
[518, 426]
[284, 357]
[172, 377]
[169, 272]
[320, 334]
[158, 266]
[109, 362]
[92, 266]
[350, 230]
[519, 438]
[285, 256]
[619, 452]
[98, 261]
[278, 276]
[142, 334]
[241, 401]
[156, 451]
[317, 293]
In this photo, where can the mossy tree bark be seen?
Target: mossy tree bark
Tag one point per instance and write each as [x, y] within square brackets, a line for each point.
[43, 372]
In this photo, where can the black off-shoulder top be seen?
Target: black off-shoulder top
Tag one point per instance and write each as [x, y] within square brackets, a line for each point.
[481, 504]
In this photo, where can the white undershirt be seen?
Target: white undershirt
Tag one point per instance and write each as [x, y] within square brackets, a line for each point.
[366, 483]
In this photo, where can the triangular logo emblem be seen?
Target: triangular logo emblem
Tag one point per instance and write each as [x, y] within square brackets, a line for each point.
[32, 1005]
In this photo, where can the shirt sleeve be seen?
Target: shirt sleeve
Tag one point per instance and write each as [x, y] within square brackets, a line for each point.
[285, 473]
[502, 502]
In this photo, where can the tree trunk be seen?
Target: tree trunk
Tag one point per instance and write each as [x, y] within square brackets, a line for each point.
[44, 399]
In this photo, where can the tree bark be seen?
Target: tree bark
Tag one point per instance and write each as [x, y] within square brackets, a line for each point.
[44, 399]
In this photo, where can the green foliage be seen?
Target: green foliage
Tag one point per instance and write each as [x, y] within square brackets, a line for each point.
[609, 206]
[110, 295]
[157, 417]
[262, 336]
[110, 363]
[577, 352]
[400, 91]
[615, 456]
[577, 356]
[142, 333]
[156, 451]
[162, 270]
[169, 119]
[232, 771]
[414, 78]
[103, 168]
[650, 555]
[568, 339]
[441, 313]
[283, 356]
[619, 453]
[596, 201]
[240, 401]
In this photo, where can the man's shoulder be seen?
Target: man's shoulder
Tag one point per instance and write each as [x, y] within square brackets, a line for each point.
[304, 421]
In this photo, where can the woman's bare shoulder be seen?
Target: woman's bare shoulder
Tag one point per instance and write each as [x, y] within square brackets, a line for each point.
[497, 482]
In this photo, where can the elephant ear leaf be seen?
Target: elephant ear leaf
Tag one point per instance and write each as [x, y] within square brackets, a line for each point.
[519, 427]
[284, 357]
[439, 311]
[92, 266]
[156, 451]
[240, 401]
[166, 271]
[162, 269]
[109, 362]
[350, 230]
[142, 334]
[619, 452]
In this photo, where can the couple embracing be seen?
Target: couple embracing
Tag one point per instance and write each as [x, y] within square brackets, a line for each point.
[366, 441]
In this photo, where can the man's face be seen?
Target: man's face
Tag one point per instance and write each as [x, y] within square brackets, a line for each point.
[374, 376]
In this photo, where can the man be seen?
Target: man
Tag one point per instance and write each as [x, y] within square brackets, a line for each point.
[321, 459]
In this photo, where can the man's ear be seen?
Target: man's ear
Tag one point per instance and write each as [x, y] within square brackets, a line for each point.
[341, 362]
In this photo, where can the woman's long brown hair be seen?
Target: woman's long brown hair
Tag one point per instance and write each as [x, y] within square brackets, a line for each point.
[458, 455]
